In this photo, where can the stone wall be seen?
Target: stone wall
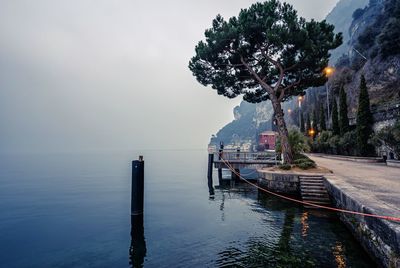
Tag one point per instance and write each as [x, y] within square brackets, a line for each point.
[393, 163]
[380, 238]
[281, 183]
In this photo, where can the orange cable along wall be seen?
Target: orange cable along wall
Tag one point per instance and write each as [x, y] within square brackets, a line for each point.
[396, 219]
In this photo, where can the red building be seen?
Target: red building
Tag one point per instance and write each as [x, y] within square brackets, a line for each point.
[267, 139]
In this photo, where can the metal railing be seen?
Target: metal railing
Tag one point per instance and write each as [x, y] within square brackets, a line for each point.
[246, 156]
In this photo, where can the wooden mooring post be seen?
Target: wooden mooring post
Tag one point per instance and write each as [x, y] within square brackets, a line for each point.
[209, 173]
[220, 154]
[137, 194]
[137, 250]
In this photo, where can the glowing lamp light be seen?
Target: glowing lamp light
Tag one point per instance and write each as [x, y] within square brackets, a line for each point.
[289, 111]
[300, 98]
[329, 71]
[311, 132]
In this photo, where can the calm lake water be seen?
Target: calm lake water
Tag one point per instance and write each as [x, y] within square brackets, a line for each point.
[73, 210]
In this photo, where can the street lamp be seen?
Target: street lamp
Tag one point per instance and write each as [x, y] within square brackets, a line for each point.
[311, 132]
[300, 99]
[328, 71]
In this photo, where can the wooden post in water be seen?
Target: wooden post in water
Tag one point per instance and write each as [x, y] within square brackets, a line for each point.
[137, 194]
[209, 173]
[220, 153]
[237, 177]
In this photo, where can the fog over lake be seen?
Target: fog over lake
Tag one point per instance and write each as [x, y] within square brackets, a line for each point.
[110, 75]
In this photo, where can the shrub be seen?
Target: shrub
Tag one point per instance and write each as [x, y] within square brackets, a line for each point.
[389, 136]
[307, 165]
[334, 144]
[285, 166]
[347, 143]
[297, 141]
[322, 142]
[303, 160]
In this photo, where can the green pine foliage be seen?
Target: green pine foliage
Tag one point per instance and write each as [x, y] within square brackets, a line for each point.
[364, 122]
[308, 123]
[343, 118]
[322, 119]
[302, 123]
[315, 121]
[335, 119]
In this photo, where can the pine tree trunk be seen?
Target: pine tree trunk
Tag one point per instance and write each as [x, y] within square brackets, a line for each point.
[283, 132]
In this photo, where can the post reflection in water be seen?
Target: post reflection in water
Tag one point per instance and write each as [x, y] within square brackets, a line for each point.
[137, 250]
[304, 224]
[338, 252]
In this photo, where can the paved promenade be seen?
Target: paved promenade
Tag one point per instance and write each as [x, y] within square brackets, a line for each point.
[372, 184]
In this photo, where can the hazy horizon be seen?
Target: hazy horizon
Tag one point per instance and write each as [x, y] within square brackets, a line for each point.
[110, 75]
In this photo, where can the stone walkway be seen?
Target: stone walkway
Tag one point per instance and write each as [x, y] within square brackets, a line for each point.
[372, 184]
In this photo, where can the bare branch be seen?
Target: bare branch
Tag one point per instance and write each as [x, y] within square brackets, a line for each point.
[282, 93]
[267, 87]
[277, 65]
[291, 67]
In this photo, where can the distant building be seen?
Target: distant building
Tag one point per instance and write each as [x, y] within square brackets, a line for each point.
[267, 139]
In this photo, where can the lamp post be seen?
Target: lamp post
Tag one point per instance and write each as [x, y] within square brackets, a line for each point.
[311, 133]
[328, 72]
[300, 98]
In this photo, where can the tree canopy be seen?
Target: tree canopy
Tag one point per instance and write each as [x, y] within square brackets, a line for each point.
[267, 51]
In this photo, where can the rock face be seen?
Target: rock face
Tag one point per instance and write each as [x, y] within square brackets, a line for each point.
[341, 17]
[249, 121]
[382, 72]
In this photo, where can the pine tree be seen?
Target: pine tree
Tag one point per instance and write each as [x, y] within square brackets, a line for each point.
[322, 117]
[268, 40]
[364, 121]
[343, 118]
[315, 120]
[335, 120]
[302, 124]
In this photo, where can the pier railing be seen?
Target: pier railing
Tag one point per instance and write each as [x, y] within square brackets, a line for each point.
[245, 156]
[237, 159]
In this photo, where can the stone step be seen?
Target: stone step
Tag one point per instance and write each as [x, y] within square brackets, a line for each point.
[302, 181]
[316, 199]
[316, 196]
[310, 177]
[320, 184]
[320, 194]
[318, 203]
[313, 190]
[312, 187]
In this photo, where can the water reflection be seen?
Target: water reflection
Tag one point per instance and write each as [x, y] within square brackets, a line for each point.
[293, 236]
[304, 223]
[338, 252]
[137, 250]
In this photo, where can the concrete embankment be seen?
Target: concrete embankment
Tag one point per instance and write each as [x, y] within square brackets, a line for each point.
[379, 237]
[355, 186]
[368, 188]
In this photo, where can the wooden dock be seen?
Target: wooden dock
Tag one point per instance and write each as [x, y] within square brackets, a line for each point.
[239, 160]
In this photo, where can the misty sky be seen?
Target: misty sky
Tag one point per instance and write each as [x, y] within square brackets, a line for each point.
[83, 75]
